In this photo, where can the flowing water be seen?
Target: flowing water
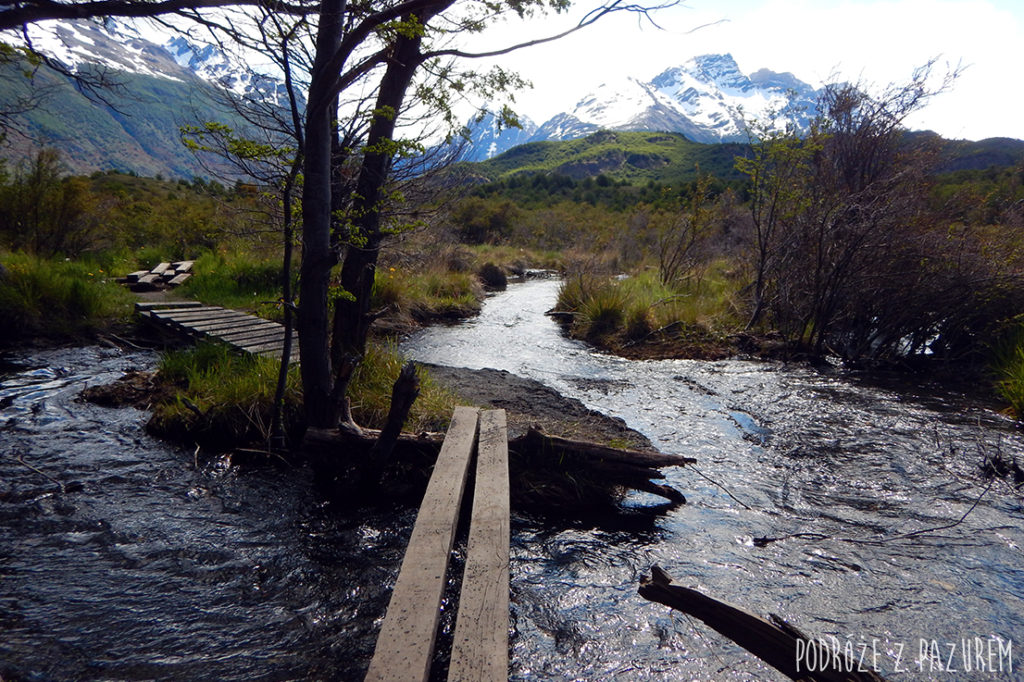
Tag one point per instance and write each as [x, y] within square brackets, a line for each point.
[122, 557]
[857, 467]
[125, 558]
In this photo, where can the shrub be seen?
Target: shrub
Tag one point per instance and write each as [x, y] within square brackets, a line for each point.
[1009, 366]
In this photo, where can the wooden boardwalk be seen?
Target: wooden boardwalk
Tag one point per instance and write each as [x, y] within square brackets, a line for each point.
[239, 330]
[405, 645]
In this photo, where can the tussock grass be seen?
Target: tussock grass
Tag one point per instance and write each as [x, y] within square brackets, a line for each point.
[371, 392]
[435, 292]
[58, 298]
[222, 398]
[629, 309]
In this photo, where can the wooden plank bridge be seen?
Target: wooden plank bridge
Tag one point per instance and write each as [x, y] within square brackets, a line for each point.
[405, 644]
[239, 330]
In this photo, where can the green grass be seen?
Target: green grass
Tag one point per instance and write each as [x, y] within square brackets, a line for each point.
[436, 292]
[236, 280]
[370, 392]
[1009, 367]
[58, 298]
[608, 310]
[222, 398]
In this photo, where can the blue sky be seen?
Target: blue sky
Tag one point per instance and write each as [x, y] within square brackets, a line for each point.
[875, 42]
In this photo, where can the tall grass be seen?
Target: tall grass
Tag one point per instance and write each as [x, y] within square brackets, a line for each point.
[236, 280]
[435, 292]
[630, 309]
[1009, 367]
[223, 398]
[370, 392]
[58, 298]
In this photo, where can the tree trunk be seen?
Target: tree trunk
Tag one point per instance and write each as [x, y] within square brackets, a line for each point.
[352, 318]
[317, 255]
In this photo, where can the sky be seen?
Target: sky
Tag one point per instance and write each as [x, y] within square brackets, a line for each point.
[873, 42]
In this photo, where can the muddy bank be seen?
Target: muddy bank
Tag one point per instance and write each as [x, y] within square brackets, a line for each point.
[530, 403]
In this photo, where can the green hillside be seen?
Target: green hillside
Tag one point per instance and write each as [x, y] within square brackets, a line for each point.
[134, 128]
[635, 158]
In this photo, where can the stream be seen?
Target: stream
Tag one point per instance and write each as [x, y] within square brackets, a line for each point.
[126, 558]
[853, 462]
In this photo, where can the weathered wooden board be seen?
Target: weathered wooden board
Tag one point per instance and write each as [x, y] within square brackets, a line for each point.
[258, 347]
[194, 313]
[229, 324]
[179, 279]
[480, 648]
[260, 332]
[144, 306]
[161, 268]
[237, 329]
[406, 641]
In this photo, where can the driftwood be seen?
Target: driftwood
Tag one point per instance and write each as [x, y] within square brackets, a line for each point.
[534, 456]
[779, 644]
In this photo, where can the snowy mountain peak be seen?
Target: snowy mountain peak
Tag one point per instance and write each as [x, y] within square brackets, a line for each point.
[707, 99]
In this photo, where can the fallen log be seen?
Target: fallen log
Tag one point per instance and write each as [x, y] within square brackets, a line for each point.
[779, 644]
[545, 470]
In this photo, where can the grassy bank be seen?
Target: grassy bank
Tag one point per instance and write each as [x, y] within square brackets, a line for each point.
[55, 299]
[220, 398]
[639, 315]
[1009, 371]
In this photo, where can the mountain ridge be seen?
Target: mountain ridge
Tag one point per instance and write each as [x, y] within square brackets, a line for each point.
[707, 99]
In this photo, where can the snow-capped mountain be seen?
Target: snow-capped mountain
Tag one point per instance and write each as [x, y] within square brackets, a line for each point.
[707, 99]
[163, 81]
[487, 138]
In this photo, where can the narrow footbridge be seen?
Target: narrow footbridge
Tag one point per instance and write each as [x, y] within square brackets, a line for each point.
[239, 330]
[405, 645]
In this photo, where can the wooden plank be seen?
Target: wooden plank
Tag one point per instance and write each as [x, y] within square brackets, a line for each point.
[183, 266]
[252, 336]
[480, 648]
[216, 326]
[247, 328]
[169, 305]
[405, 644]
[134, 276]
[190, 320]
[178, 280]
[257, 346]
[160, 269]
[194, 313]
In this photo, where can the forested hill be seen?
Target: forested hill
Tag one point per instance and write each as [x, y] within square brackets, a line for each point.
[632, 157]
[639, 158]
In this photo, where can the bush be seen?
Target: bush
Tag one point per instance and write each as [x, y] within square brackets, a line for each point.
[1009, 366]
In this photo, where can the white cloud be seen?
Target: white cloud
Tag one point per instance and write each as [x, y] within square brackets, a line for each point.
[873, 41]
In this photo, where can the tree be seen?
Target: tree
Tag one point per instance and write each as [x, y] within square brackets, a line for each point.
[383, 44]
[850, 258]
